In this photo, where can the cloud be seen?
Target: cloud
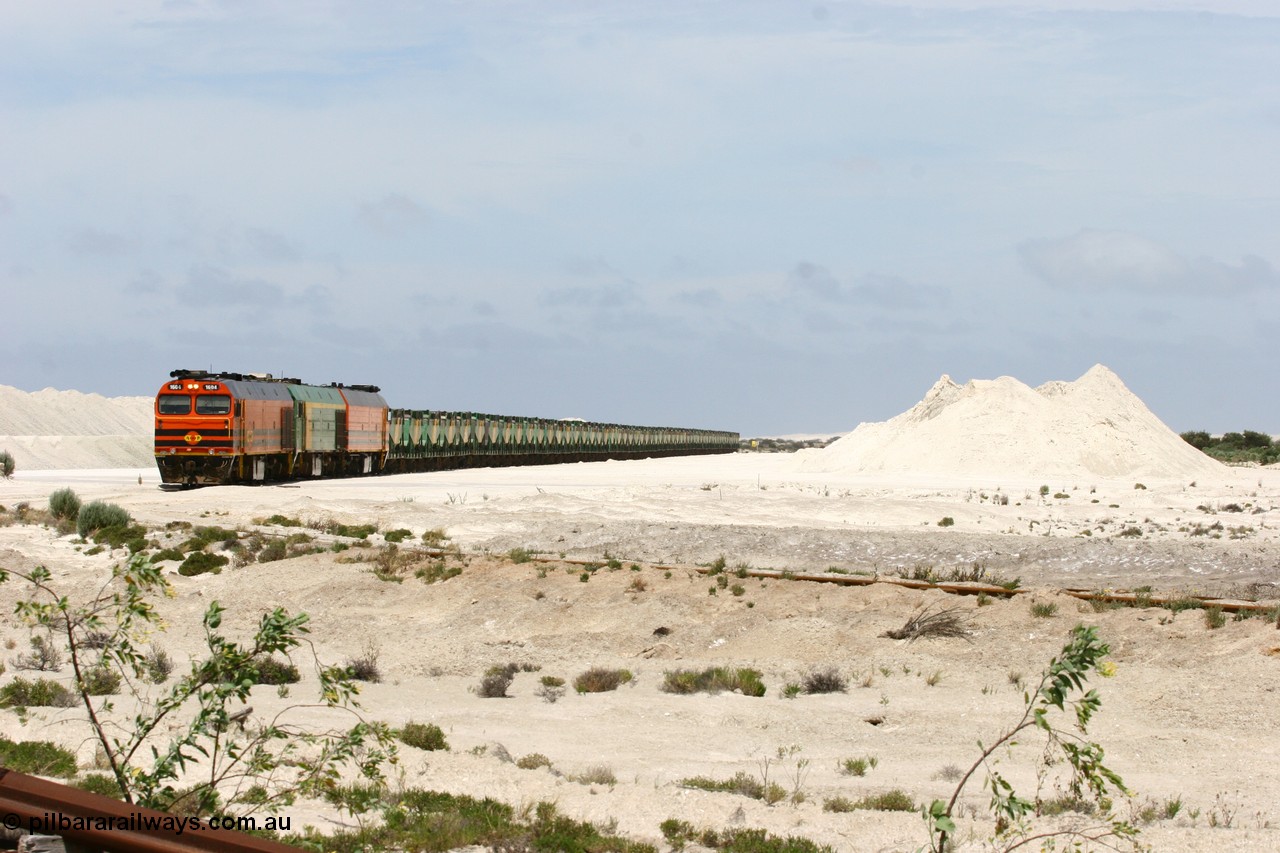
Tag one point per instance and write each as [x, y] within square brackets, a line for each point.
[393, 216]
[1093, 259]
[703, 297]
[207, 285]
[90, 242]
[888, 292]
[270, 246]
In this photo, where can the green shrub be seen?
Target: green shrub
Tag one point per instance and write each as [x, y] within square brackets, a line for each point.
[741, 783]
[713, 680]
[167, 554]
[272, 551]
[274, 671]
[41, 693]
[37, 757]
[426, 736]
[601, 680]
[64, 503]
[99, 783]
[101, 681]
[198, 563]
[533, 761]
[398, 535]
[6, 464]
[98, 515]
[519, 555]
[1044, 609]
[355, 531]
[946, 521]
[1214, 618]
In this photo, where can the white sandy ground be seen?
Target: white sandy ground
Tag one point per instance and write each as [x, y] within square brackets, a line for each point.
[1190, 712]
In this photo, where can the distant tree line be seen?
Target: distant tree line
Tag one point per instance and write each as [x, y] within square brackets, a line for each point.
[1247, 446]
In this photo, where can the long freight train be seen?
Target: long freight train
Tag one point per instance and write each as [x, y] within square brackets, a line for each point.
[216, 428]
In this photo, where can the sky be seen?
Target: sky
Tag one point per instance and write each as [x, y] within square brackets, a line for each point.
[770, 217]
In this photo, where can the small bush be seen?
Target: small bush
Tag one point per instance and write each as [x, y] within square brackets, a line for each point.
[426, 736]
[101, 784]
[519, 555]
[274, 550]
[98, 515]
[741, 783]
[101, 681]
[533, 761]
[713, 680]
[365, 667]
[157, 664]
[435, 537]
[45, 655]
[601, 680]
[1214, 618]
[274, 671]
[41, 693]
[1044, 609]
[598, 774]
[827, 680]
[398, 535]
[494, 685]
[38, 757]
[946, 521]
[64, 504]
[198, 563]
[857, 766]
[6, 464]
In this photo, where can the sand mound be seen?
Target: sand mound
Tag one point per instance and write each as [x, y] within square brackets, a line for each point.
[1003, 429]
[68, 429]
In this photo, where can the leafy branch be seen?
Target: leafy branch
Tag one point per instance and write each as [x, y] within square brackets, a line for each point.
[1062, 686]
[205, 711]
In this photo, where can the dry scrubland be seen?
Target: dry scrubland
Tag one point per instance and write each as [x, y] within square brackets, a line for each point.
[1187, 719]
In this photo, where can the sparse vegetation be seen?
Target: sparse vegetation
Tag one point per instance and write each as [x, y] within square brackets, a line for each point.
[427, 736]
[947, 622]
[858, 766]
[740, 783]
[827, 680]
[7, 464]
[40, 693]
[713, 680]
[895, 800]
[946, 521]
[1044, 609]
[37, 757]
[601, 680]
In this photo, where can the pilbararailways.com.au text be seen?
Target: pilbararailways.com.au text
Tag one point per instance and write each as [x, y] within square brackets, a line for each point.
[51, 823]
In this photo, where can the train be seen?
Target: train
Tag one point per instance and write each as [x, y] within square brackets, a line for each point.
[227, 428]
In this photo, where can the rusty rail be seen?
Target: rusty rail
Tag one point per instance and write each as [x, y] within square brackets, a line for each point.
[958, 587]
[101, 823]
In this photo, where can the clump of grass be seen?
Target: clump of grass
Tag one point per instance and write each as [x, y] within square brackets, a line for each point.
[40, 693]
[533, 761]
[740, 783]
[100, 681]
[1044, 609]
[435, 537]
[601, 680]
[597, 774]
[37, 757]
[946, 521]
[827, 680]
[713, 680]
[365, 667]
[427, 736]
[1214, 618]
[274, 671]
[198, 563]
[157, 664]
[550, 688]
[353, 531]
[398, 535]
[895, 800]
[949, 622]
[520, 555]
[857, 766]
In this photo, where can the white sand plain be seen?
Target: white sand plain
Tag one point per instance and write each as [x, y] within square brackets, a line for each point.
[1190, 713]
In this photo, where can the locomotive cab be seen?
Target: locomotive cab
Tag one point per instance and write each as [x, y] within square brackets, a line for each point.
[194, 430]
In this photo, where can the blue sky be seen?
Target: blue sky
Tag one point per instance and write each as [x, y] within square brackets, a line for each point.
[763, 216]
